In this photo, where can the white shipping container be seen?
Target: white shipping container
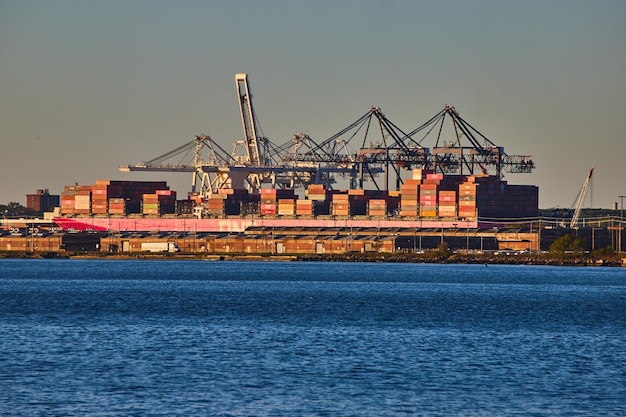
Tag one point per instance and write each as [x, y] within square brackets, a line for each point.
[82, 202]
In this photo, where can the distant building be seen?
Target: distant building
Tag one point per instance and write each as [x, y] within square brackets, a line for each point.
[42, 201]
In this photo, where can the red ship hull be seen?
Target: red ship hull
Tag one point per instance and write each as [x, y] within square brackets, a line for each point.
[238, 225]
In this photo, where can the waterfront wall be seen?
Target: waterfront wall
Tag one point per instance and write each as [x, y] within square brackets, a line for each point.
[284, 241]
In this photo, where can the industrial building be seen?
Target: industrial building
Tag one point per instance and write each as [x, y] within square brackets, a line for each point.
[42, 201]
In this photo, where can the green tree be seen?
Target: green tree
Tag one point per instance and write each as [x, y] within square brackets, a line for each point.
[14, 209]
[568, 243]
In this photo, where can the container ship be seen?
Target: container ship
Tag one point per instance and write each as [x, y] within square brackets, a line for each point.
[258, 187]
[427, 200]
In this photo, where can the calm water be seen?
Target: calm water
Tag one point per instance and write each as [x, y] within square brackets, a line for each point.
[187, 338]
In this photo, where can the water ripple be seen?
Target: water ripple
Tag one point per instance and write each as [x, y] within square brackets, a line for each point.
[268, 339]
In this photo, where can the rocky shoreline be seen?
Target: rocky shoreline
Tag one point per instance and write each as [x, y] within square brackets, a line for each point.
[476, 259]
[432, 257]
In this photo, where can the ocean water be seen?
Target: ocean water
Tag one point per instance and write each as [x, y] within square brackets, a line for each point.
[199, 338]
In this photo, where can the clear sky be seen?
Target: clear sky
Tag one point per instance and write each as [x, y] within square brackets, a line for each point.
[86, 86]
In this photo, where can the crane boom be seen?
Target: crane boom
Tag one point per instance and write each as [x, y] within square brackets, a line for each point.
[248, 119]
[580, 199]
[256, 160]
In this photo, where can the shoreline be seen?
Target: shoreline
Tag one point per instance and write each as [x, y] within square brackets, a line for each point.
[431, 258]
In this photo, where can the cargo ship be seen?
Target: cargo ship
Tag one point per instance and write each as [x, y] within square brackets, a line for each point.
[442, 190]
[240, 225]
[430, 201]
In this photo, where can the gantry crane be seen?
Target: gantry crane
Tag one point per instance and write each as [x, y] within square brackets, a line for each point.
[261, 162]
[221, 169]
[468, 151]
[361, 152]
[191, 161]
[348, 152]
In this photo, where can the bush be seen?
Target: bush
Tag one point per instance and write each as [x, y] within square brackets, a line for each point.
[603, 252]
[443, 248]
[568, 243]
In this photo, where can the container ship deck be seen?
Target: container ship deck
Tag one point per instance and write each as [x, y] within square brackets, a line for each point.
[426, 201]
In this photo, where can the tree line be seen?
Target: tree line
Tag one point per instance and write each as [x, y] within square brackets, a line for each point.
[13, 209]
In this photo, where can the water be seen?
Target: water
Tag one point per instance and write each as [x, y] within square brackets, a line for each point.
[187, 338]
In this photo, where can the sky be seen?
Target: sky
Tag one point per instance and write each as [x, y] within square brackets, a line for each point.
[87, 86]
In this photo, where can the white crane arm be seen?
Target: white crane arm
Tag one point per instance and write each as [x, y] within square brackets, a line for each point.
[248, 119]
[580, 199]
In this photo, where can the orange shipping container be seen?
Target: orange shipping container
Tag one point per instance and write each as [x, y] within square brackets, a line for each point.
[433, 176]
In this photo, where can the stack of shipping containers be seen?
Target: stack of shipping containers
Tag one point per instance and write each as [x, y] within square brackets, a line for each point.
[125, 197]
[115, 192]
[269, 199]
[250, 206]
[99, 200]
[425, 195]
[158, 203]
[68, 199]
[150, 204]
[447, 203]
[409, 200]
[340, 204]
[319, 197]
[489, 196]
[304, 207]
[268, 205]
[107, 197]
[228, 202]
[286, 206]
[467, 199]
[83, 200]
[184, 207]
[428, 195]
[358, 201]
[393, 202]
[133, 192]
[234, 200]
[497, 199]
[316, 192]
[215, 204]
[76, 199]
[520, 201]
[377, 207]
[117, 206]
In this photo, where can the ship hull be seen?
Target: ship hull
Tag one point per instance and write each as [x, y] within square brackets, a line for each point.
[238, 225]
